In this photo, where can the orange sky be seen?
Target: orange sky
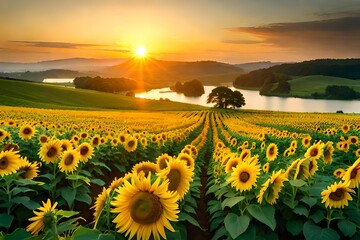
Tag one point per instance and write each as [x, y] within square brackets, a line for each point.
[226, 31]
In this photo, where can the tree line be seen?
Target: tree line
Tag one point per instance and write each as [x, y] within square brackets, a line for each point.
[111, 85]
[193, 88]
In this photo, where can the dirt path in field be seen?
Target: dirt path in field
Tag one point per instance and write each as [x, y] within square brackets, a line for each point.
[203, 216]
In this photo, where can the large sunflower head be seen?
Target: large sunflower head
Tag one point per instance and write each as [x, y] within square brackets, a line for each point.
[26, 132]
[29, 170]
[271, 188]
[179, 176]
[50, 151]
[244, 176]
[231, 163]
[302, 169]
[306, 141]
[10, 162]
[162, 160]
[66, 145]
[315, 151]
[69, 161]
[352, 174]
[130, 144]
[145, 208]
[86, 151]
[189, 160]
[145, 168]
[271, 152]
[44, 219]
[337, 195]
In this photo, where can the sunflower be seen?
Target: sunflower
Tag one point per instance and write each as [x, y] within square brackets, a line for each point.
[353, 140]
[188, 159]
[50, 151]
[313, 166]
[11, 146]
[179, 176]
[45, 217]
[303, 169]
[315, 151]
[130, 144]
[10, 162]
[146, 167]
[233, 142]
[345, 128]
[261, 136]
[245, 154]
[117, 182]
[84, 135]
[162, 160]
[266, 167]
[357, 152]
[86, 151]
[343, 146]
[66, 145]
[291, 170]
[337, 195]
[306, 141]
[339, 173]
[69, 161]
[143, 208]
[114, 142]
[143, 141]
[75, 140]
[226, 158]
[95, 140]
[3, 134]
[271, 152]
[244, 176]
[287, 152]
[293, 144]
[271, 188]
[352, 174]
[262, 146]
[231, 163]
[43, 138]
[100, 203]
[328, 152]
[30, 170]
[26, 132]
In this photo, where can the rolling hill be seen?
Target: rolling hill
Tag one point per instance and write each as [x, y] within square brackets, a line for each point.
[167, 73]
[38, 95]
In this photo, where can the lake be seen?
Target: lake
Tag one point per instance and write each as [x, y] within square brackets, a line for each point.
[255, 101]
[58, 80]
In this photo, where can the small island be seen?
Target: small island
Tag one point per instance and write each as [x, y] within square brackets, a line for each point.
[193, 88]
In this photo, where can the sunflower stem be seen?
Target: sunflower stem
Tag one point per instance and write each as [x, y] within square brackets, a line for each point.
[328, 217]
[358, 199]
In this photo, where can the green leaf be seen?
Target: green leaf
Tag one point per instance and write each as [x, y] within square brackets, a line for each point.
[212, 189]
[249, 234]
[297, 182]
[48, 176]
[220, 233]
[19, 233]
[230, 202]
[101, 164]
[294, 227]
[214, 208]
[309, 201]
[66, 214]
[236, 225]
[106, 237]
[186, 217]
[26, 201]
[313, 232]
[25, 182]
[301, 210]
[189, 209]
[97, 181]
[84, 198]
[263, 213]
[22, 190]
[347, 228]
[83, 233]
[6, 220]
[318, 216]
[290, 203]
[74, 177]
[69, 195]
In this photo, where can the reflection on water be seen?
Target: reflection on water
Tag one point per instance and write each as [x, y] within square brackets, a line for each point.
[255, 101]
[58, 80]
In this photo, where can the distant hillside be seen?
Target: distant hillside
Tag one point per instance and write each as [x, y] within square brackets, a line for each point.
[167, 73]
[40, 76]
[248, 67]
[78, 64]
[343, 68]
[39, 95]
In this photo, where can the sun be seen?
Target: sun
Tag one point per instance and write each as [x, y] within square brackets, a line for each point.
[141, 52]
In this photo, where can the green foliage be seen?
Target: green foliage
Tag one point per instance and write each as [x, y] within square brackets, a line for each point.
[193, 88]
[224, 97]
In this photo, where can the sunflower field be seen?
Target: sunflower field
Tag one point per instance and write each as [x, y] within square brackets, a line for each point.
[68, 174]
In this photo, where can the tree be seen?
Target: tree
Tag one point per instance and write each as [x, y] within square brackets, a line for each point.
[224, 97]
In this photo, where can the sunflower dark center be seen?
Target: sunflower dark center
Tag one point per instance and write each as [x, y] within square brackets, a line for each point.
[162, 163]
[146, 170]
[1, 134]
[64, 147]
[27, 131]
[84, 150]
[271, 151]
[188, 162]
[245, 155]
[306, 141]
[337, 195]
[314, 152]
[353, 173]
[51, 152]
[145, 208]
[43, 139]
[174, 177]
[244, 177]
[4, 162]
[131, 143]
[96, 141]
[69, 160]
[353, 140]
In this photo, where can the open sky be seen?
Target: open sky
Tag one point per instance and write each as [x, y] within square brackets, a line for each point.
[222, 30]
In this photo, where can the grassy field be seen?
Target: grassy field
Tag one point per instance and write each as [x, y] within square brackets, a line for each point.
[26, 94]
[305, 86]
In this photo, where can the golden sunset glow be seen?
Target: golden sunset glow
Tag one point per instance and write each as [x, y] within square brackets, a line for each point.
[141, 52]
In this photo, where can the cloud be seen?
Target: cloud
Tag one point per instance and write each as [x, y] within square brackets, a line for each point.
[55, 44]
[115, 50]
[338, 36]
[338, 14]
[242, 41]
